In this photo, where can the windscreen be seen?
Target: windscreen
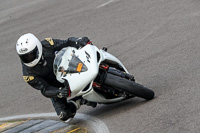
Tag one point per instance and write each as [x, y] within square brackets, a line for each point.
[66, 62]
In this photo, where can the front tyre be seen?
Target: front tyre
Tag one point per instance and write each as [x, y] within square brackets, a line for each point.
[129, 86]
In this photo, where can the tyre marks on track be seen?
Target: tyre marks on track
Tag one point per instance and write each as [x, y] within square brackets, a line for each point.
[46, 122]
[106, 3]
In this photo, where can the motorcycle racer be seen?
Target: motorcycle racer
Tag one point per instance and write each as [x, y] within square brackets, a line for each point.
[37, 66]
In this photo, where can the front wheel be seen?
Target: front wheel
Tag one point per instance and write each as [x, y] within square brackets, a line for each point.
[129, 86]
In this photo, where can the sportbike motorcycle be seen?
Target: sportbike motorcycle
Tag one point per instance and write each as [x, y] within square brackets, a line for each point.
[96, 76]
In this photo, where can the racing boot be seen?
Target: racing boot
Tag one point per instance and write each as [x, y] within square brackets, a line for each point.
[65, 110]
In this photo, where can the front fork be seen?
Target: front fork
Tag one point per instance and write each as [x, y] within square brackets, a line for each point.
[117, 72]
[121, 73]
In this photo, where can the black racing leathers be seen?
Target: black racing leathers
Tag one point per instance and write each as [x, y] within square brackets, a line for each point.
[41, 76]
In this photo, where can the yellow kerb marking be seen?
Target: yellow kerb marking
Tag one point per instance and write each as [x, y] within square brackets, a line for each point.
[85, 130]
[9, 125]
[73, 130]
[79, 67]
[3, 125]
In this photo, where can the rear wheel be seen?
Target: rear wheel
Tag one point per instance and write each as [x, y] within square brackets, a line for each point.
[129, 86]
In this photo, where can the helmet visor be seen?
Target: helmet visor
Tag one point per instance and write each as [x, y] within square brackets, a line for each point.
[30, 56]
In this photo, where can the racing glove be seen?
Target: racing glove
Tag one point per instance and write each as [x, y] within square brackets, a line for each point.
[83, 41]
[63, 92]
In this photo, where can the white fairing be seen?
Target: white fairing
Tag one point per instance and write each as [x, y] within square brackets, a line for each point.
[110, 57]
[79, 80]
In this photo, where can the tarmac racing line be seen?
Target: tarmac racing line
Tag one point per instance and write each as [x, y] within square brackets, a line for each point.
[49, 123]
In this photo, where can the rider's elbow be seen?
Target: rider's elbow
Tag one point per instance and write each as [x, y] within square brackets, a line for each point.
[43, 91]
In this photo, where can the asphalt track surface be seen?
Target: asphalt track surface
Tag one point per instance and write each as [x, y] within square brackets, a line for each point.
[157, 40]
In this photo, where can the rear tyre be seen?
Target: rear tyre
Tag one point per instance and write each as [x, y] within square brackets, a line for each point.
[129, 86]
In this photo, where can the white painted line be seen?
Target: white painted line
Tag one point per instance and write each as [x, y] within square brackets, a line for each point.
[97, 125]
[110, 1]
[27, 116]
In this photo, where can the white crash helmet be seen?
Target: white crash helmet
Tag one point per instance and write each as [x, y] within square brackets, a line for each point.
[29, 49]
